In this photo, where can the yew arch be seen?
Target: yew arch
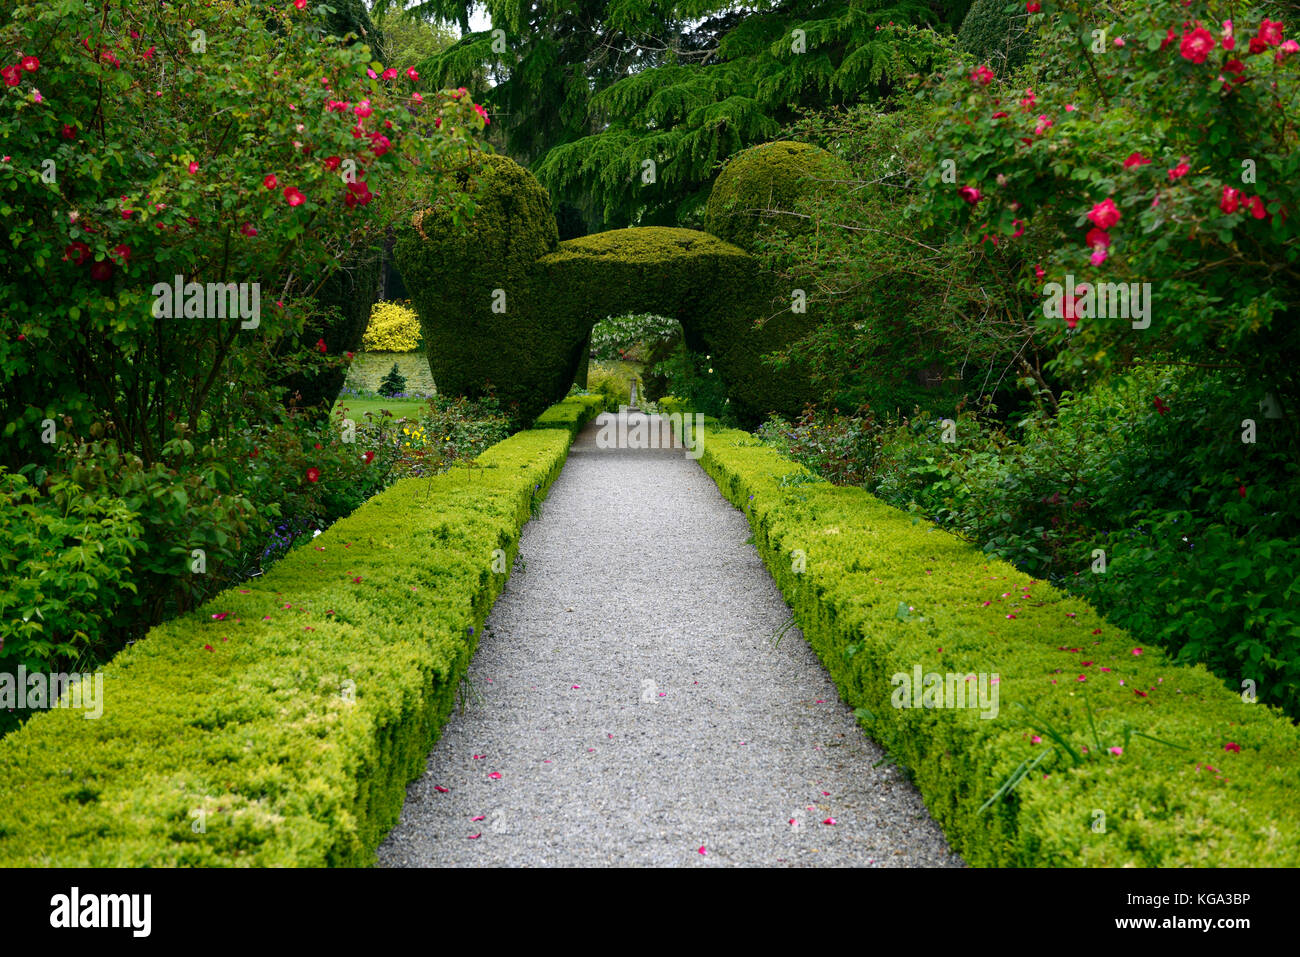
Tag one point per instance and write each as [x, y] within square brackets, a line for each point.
[506, 307]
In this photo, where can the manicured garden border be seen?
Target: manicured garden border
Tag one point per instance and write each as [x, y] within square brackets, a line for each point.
[878, 591]
[280, 723]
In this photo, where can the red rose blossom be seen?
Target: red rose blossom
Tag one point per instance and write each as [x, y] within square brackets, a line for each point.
[1270, 31]
[1197, 45]
[1105, 214]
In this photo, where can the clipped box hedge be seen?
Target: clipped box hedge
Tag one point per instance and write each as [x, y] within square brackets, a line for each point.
[292, 740]
[882, 591]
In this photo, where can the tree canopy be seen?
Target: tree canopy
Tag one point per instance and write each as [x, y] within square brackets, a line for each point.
[626, 109]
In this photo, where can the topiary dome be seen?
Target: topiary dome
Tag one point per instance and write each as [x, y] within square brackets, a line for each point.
[759, 185]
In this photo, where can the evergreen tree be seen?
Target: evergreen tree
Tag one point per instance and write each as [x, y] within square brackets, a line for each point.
[589, 94]
[393, 383]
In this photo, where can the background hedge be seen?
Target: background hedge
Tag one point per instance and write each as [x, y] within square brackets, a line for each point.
[994, 36]
[342, 312]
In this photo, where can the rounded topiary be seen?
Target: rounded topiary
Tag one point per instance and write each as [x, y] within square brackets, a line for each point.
[761, 185]
[512, 223]
[995, 37]
[469, 283]
[505, 308]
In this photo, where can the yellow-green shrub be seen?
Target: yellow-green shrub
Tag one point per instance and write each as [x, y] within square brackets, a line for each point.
[394, 327]
[289, 726]
[612, 383]
[878, 591]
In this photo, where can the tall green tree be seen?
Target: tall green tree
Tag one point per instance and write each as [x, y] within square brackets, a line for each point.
[625, 109]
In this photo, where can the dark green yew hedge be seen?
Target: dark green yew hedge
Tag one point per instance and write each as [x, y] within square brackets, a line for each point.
[758, 186]
[880, 591]
[279, 724]
[511, 308]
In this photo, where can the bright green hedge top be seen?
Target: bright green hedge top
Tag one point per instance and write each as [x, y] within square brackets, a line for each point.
[884, 591]
[280, 723]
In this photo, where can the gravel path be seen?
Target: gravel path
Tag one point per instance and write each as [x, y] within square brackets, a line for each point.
[633, 709]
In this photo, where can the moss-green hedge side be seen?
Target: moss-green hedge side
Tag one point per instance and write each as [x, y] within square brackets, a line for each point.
[884, 591]
[290, 742]
[453, 271]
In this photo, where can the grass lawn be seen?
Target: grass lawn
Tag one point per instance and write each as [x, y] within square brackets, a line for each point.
[357, 406]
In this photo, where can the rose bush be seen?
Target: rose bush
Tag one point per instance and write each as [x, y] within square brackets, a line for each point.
[1156, 145]
[242, 148]
[224, 142]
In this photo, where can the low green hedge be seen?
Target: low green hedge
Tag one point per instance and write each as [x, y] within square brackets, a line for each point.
[284, 732]
[883, 591]
[561, 415]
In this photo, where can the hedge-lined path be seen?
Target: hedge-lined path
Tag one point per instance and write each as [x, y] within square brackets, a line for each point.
[634, 707]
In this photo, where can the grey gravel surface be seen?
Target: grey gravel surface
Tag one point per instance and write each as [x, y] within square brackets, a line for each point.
[632, 702]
